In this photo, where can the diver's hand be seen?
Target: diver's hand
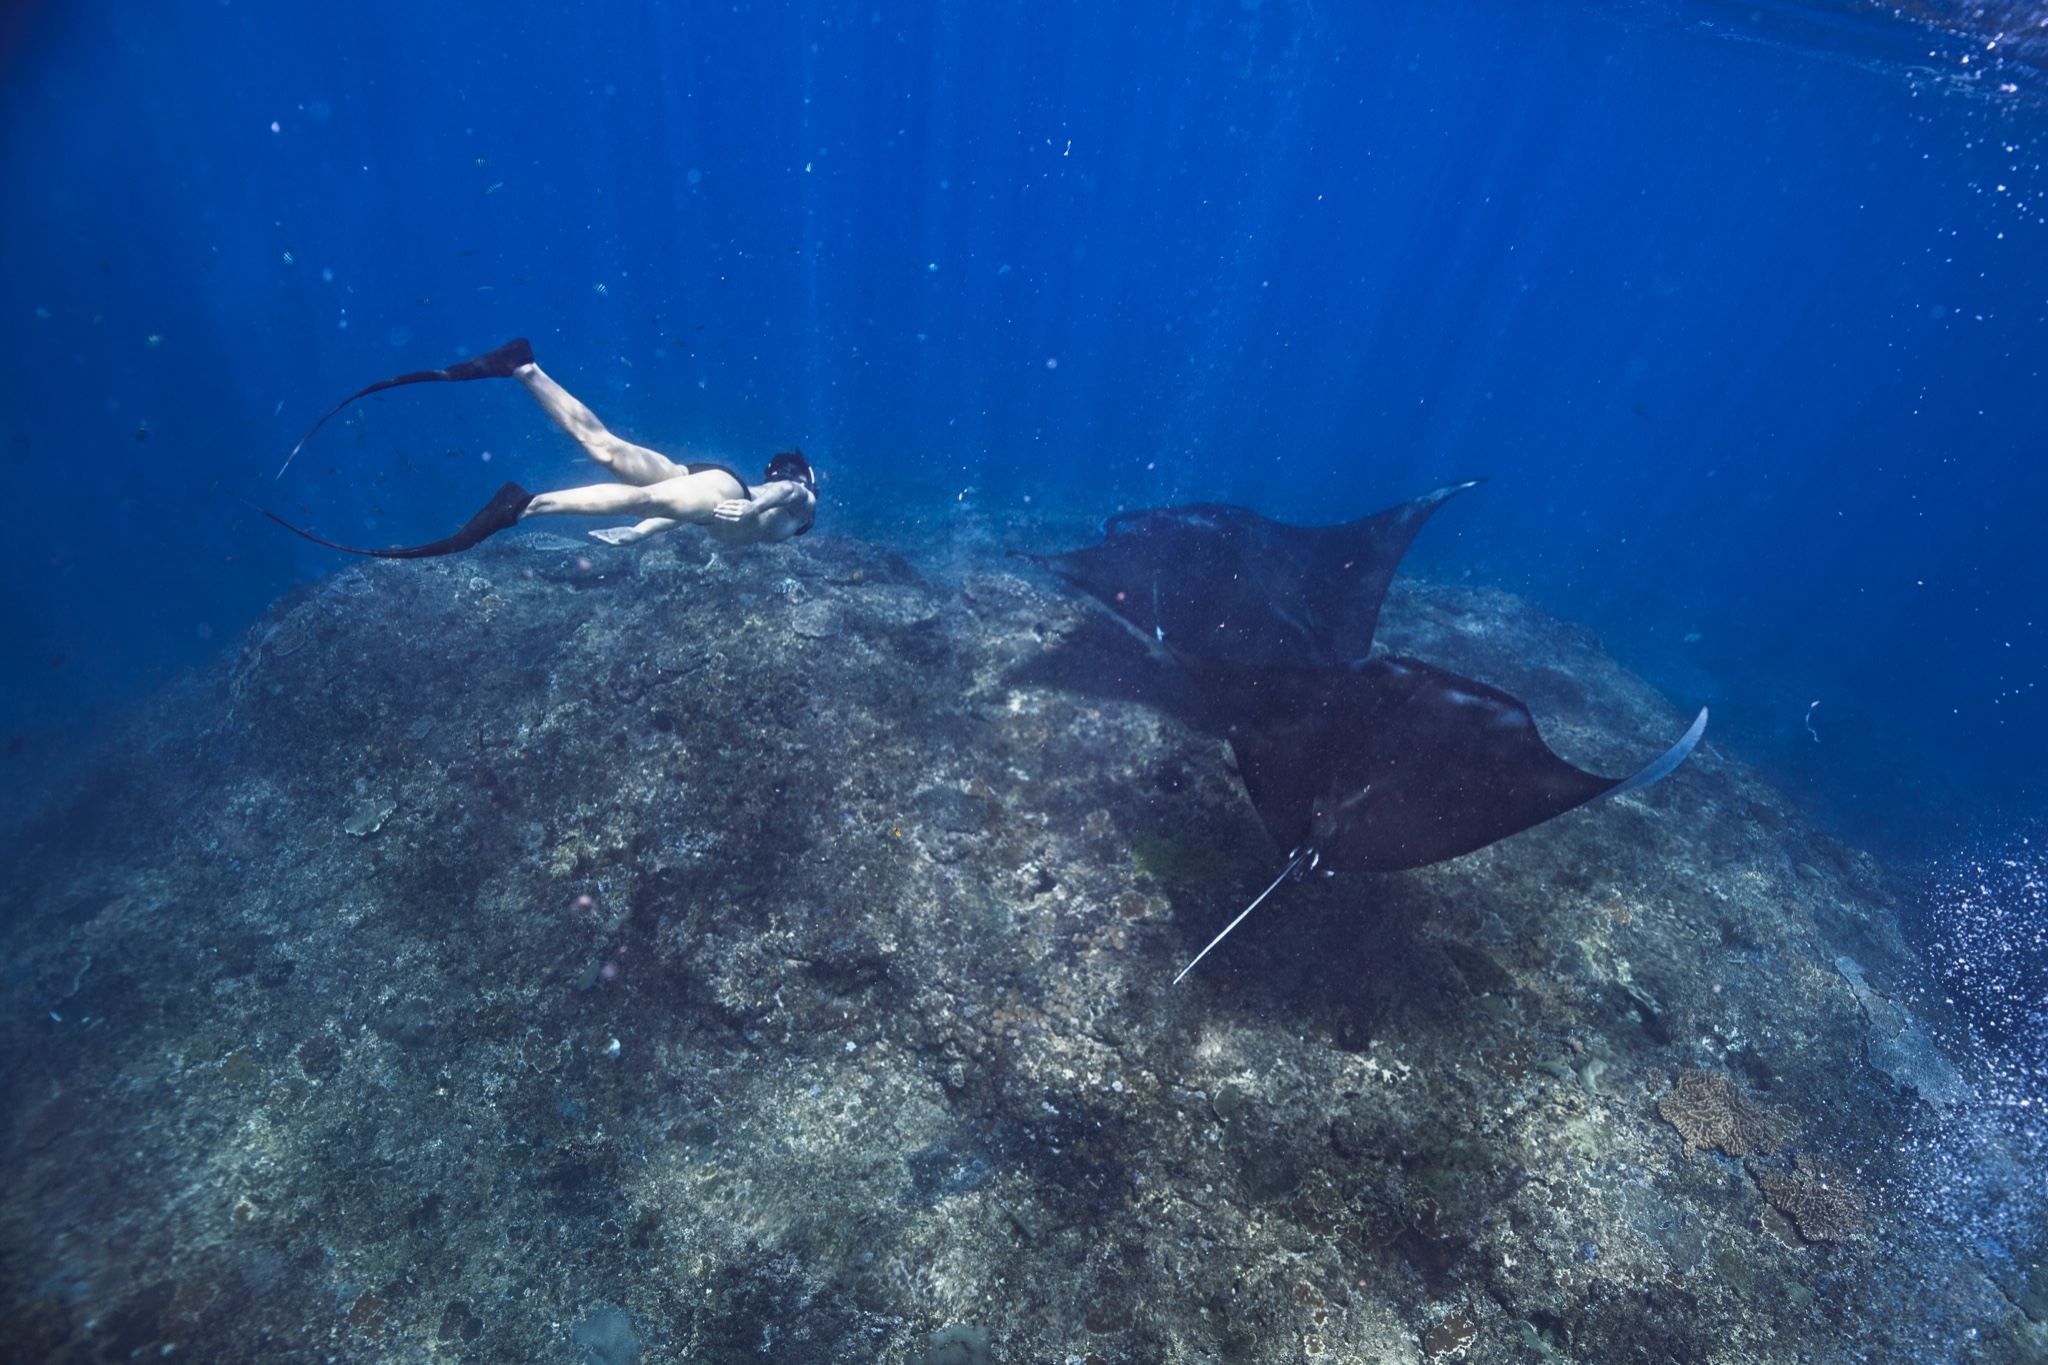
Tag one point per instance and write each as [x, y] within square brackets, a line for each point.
[732, 509]
[617, 535]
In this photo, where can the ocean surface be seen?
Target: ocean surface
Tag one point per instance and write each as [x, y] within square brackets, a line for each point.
[1741, 311]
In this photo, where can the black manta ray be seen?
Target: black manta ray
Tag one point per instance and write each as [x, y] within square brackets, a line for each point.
[1359, 764]
[1211, 581]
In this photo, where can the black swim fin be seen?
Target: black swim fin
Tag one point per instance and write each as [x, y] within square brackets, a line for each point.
[501, 512]
[498, 364]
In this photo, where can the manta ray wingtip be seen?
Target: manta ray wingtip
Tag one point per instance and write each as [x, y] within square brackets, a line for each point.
[1665, 763]
[1416, 510]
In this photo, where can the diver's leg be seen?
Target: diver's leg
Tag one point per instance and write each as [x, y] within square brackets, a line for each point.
[628, 535]
[692, 498]
[594, 500]
[628, 462]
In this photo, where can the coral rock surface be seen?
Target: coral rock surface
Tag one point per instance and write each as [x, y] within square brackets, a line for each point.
[565, 953]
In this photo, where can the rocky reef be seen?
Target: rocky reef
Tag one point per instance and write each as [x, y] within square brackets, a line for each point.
[581, 954]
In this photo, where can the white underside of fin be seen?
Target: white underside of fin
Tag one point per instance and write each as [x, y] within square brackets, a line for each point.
[1665, 764]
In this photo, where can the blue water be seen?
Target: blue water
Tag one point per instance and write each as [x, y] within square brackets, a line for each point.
[1742, 311]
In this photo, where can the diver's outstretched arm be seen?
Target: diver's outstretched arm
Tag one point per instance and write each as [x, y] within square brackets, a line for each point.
[766, 498]
[630, 463]
[628, 535]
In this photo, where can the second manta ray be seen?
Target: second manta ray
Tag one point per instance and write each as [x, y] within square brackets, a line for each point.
[1355, 763]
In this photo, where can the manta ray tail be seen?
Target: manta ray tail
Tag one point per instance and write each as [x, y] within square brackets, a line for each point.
[500, 512]
[498, 364]
[1300, 856]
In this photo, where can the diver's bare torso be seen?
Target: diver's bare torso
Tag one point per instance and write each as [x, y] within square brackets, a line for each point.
[663, 493]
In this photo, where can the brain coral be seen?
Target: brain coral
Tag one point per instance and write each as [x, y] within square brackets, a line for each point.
[1816, 1196]
[1710, 1110]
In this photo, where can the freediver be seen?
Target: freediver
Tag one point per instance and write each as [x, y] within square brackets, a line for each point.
[663, 493]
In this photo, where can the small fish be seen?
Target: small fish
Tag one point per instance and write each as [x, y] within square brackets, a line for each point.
[493, 189]
[142, 431]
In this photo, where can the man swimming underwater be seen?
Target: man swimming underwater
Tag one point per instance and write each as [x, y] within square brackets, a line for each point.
[663, 493]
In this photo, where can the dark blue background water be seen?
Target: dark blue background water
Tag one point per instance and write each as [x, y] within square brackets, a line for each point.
[1744, 317]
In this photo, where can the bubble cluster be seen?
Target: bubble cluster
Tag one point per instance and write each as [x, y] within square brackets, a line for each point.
[1976, 1178]
[1986, 919]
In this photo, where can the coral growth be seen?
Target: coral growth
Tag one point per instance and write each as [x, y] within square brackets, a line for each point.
[1819, 1198]
[1710, 1110]
[718, 967]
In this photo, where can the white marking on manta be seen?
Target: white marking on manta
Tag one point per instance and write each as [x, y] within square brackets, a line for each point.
[1299, 628]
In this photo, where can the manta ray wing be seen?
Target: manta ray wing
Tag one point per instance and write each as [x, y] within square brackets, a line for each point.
[1394, 763]
[1212, 581]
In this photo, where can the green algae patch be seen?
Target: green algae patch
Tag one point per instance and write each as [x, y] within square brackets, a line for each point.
[1191, 862]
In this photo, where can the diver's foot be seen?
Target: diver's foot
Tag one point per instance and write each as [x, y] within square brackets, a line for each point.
[617, 535]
